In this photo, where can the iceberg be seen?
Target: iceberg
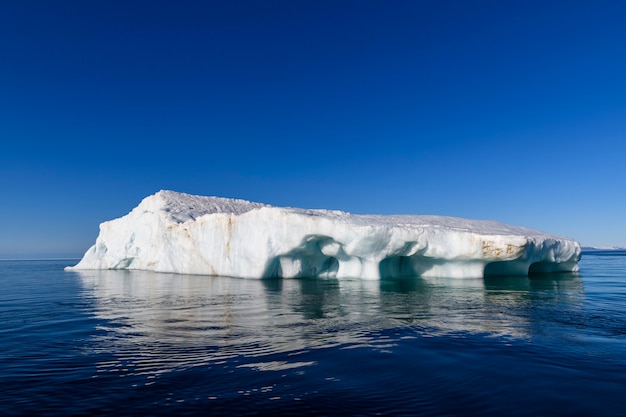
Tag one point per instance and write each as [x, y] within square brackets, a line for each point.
[189, 234]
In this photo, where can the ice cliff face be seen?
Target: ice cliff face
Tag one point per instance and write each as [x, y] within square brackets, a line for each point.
[182, 233]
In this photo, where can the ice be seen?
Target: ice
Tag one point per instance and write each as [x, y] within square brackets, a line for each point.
[183, 233]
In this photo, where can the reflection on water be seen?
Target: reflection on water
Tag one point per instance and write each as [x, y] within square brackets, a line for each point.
[157, 322]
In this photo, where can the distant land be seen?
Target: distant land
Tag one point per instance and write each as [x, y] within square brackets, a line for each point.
[590, 248]
[38, 256]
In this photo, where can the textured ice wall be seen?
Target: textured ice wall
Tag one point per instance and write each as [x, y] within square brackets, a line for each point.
[182, 233]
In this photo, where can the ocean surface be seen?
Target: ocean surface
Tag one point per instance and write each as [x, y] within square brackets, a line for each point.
[138, 343]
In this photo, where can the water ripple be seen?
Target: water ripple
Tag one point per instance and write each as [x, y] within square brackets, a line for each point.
[141, 343]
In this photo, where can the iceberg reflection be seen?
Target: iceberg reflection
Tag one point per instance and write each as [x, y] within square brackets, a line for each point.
[159, 321]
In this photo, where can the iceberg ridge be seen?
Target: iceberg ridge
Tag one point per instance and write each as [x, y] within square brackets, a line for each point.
[183, 233]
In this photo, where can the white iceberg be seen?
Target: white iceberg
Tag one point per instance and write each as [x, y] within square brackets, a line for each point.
[182, 233]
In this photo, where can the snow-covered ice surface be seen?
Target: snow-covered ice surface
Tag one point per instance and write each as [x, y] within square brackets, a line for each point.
[183, 233]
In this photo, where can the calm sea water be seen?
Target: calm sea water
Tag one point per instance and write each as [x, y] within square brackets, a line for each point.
[139, 343]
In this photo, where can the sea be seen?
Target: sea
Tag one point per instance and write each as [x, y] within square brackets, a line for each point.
[133, 343]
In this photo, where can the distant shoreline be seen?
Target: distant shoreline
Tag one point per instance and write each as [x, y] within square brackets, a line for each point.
[596, 248]
[42, 259]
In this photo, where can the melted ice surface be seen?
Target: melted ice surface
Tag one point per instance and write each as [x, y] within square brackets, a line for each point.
[181, 207]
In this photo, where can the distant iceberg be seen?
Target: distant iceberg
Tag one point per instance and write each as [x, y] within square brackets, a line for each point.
[183, 233]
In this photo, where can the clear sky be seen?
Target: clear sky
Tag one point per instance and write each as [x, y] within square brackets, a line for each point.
[506, 110]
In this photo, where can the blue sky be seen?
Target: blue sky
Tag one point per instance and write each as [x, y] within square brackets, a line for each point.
[513, 111]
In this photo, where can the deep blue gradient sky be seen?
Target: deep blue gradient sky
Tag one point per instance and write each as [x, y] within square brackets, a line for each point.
[505, 110]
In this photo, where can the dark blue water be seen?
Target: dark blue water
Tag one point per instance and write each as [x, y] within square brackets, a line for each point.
[138, 343]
